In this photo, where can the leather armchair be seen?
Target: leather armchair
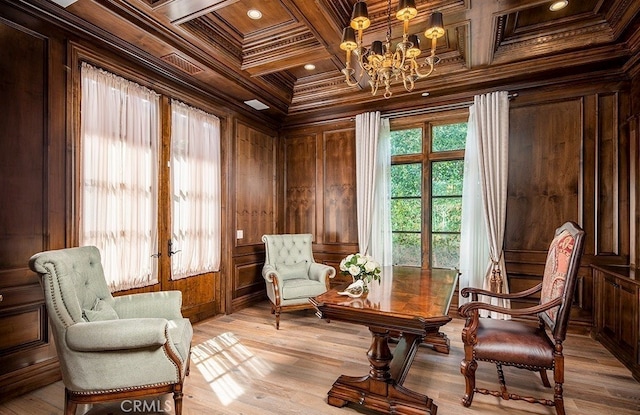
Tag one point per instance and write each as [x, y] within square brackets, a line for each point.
[517, 343]
[292, 276]
[111, 348]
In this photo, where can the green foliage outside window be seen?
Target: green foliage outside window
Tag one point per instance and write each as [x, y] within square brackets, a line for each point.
[449, 137]
[406, 141]
[406, 209]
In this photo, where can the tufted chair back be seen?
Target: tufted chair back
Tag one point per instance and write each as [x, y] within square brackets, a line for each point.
[559, 278]
[73, 279]
[288, 249]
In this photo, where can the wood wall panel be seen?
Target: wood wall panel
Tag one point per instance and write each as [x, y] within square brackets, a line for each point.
[24, 326]
[545, 145]
[22, 148]
[300, 184]
[340, 224]
[607, 175]
[255, 173]
[32, 162]
[248, 279]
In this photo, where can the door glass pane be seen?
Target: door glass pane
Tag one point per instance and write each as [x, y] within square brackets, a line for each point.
[446, 178]
[405, 215]
[406, 141]
[445, 250]
[446, 214]
[449, 137]
[407, 249]
[405, 180]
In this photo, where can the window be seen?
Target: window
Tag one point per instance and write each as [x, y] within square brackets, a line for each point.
[119, 175]
[426, 230]
[446, 194]
[120, 135]
[195, 189]
[406, 198]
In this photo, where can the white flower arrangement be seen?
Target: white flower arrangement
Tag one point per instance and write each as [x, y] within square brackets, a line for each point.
[361, 267]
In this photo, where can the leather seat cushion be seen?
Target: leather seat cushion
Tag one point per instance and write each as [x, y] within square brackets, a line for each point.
[514, 343]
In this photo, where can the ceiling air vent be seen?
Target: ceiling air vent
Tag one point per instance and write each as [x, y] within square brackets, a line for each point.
[258, 105]
[64, 3]
[182, 64]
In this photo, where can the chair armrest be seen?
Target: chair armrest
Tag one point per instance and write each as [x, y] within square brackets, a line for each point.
[269, 272]
[471, 309]
[320, 272]
[121, 334]
[475, 292]
[162, 304]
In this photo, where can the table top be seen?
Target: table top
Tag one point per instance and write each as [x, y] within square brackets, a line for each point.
[407, 299]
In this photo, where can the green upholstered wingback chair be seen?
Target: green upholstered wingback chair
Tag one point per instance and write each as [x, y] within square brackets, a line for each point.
[292, 276]
[111, 348]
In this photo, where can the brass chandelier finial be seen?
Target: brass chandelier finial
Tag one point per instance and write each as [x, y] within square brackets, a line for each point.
[379, 61]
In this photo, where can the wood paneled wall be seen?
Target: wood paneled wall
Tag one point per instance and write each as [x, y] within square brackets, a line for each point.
[255, 210]
[319, 188]
[568, 161]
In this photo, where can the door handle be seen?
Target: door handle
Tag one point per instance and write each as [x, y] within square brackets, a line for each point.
[171, 252]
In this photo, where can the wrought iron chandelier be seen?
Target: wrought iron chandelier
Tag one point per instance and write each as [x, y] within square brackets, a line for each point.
[381, 63]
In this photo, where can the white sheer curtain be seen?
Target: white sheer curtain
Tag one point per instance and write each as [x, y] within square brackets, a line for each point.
[373, 161]
[120, 134]
[195, 186]
[489, 123]
[474, 242]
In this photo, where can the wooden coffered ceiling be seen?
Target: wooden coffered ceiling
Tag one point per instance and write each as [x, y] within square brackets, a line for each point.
[487, 42]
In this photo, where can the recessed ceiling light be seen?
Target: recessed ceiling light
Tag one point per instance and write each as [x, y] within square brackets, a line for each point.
[309, 67]
[254, 14]
[425, 94]
[558, 5]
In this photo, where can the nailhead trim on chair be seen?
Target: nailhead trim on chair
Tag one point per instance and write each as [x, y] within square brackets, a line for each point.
[529, 367]
[105, 391]
[175, 355]
[53, 297]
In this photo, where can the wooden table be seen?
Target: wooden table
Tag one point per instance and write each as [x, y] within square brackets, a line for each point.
[409, 301]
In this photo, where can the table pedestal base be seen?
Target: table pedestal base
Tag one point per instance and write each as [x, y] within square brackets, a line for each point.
[382, 390]
[379, 396]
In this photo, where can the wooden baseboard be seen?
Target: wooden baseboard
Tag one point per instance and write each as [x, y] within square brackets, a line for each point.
[32, 377]
[247, 300]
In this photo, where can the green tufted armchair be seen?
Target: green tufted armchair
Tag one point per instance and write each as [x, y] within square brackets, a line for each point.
[292, 276]
[111, 348]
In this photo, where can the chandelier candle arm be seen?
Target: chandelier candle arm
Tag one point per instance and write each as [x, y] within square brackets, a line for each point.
[348, 44]
[382, 65]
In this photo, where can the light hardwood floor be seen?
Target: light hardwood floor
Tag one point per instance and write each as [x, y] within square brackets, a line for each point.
[242, 365]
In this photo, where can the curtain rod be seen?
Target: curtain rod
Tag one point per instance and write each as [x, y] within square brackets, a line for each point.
[438, 108]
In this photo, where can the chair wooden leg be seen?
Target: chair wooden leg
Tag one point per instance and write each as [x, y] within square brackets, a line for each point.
[70, 406]
[468, 370]
[277, 313]
[558, 400]
[503, 384]
[545, 379]
[177, 399]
